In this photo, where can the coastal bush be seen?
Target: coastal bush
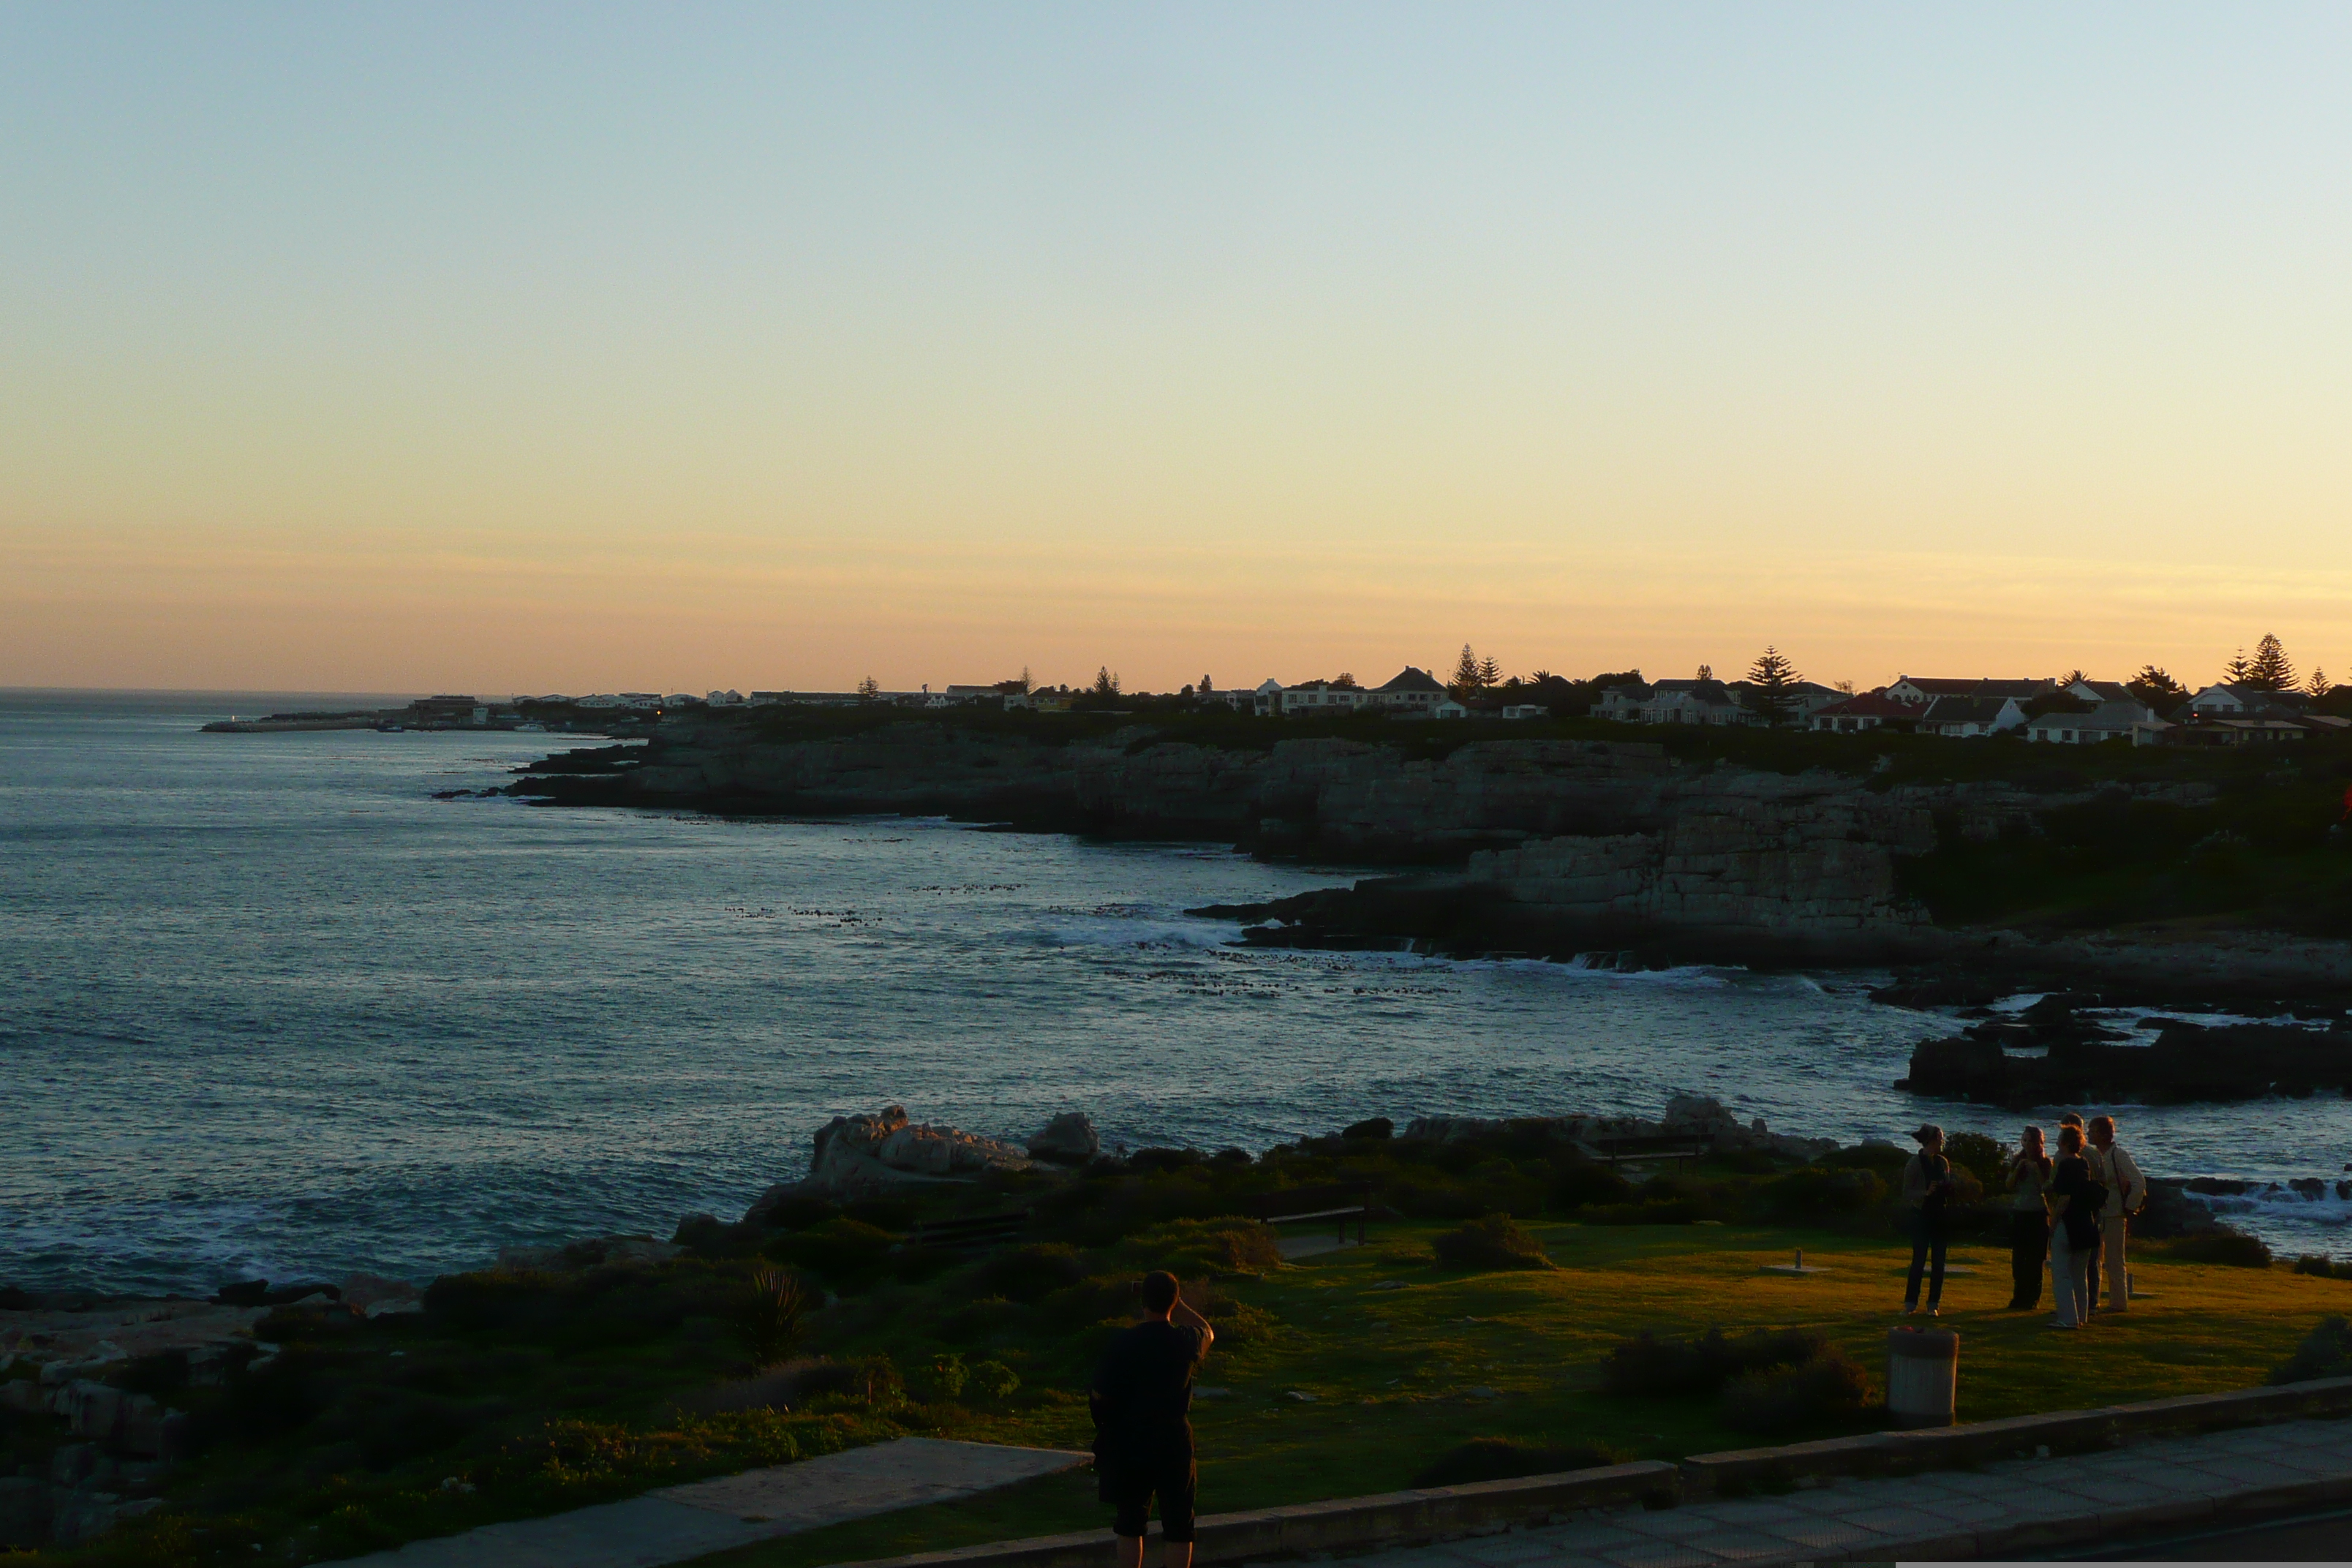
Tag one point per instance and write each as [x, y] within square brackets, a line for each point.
[1498, 1241]
[771, 1318]
[1032, 1272]
[1506, 1459]
[1812, 1190]
[991, 1380]
[2324, 1268]
[943, 1380]
[1578, 1182]
[883, 1213]
[986, 1321]
[2326, 1352]
[1229, 1244]
[1980, 1157]
[706, 1237]
[1646, 1364]
[1884, 1161]
[1093, 1300]
[2222, 1244]
[796, 1213]
[1829, 1386]
[1146, 1161]
[844, 1250]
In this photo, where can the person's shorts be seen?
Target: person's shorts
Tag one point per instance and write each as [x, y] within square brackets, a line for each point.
[1129, 1487]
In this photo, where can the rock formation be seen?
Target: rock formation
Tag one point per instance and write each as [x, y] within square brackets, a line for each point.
[1068, 1140]
[1685, 1115]
[2082, 1061]
[871, 1153]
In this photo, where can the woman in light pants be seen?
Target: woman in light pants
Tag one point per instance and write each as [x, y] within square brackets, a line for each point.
[2076, 1235]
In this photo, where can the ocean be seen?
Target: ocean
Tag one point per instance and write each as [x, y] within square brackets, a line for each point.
[269, 1008]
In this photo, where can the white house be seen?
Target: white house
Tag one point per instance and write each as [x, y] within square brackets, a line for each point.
[1693, 703]
[1871, 710]
[1966, 716]
[1527, 711]
[1926, 688]
[1320, 699]
[2226, 700]
[1622, 703]
[1412, 694]
[2127, 721]
[725, 699]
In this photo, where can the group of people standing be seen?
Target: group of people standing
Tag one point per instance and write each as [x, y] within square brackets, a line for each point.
[2073, 1210]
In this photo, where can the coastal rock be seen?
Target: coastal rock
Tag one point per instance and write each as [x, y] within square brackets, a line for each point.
[599, 1252]
[375, 1296]
[1068, 1140]
[878, 1152]
[1685, 1115]
[2186, 1063]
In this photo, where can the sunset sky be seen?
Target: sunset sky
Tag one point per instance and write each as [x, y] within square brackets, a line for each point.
[561, 348]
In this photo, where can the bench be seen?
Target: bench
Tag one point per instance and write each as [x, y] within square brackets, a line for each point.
[1332, 1203]
[970, 1233]
[1681, 1149]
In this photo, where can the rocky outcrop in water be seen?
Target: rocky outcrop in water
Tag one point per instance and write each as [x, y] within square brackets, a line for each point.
[2058, 1056]
[872, 1153]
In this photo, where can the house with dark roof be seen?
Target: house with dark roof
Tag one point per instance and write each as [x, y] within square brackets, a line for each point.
[1693, 703]
[2130, 721]
[1970, 716]
[1926, 688]
[1870, 710]
[1622, 703]
[1412, 694]
[2238, 700]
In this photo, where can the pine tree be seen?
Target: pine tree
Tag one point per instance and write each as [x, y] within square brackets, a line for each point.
[869, 691]
[1490, 674]
[1773, 677]
[2318, 684]
[2271, 669]
[1706, 672]
[2238, 671]
[1465, 674]
[1105, 683]
[1205, 688]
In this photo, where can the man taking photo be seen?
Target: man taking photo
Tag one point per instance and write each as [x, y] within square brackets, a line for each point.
[1142, 1403]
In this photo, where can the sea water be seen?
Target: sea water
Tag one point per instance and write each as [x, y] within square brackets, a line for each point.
[270, 1007]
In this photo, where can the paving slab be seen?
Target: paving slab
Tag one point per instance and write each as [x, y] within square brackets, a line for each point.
[677, 1524]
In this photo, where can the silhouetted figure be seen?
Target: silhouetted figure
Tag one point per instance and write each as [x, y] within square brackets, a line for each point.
[2076, 1198]
[2030, 1174]
[1142, 1403]
[1926, 1190]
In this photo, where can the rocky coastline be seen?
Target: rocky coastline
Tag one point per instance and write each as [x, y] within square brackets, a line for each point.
[1547, 847]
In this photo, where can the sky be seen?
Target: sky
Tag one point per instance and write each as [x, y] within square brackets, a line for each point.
[566, 347]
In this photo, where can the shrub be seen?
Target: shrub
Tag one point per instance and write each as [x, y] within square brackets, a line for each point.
[1577, 1184]
[1884, 1161]
[2223, 1245]
[1502, 1460]
[2326, 1268]
[944, 1378]
[873, 1379]
[2326, 1352]
[1980, 1157]
[1825, 1388]
[1186, 1248]
[993, 1380]
[1647, 1364]
[1377, 1127]
[794, 1214]
[1496, 1241]
[771, 1317]
[846, 1251]
[1812, 1190]
[1148, 1160]
[1032, 1272]
[1112, 1296]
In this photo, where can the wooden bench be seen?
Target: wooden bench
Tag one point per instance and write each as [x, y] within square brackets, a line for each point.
[1681, 1149]
[970, 1233]
[1332, 1203]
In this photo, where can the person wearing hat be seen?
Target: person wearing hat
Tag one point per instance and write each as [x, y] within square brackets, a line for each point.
[1926, 1189]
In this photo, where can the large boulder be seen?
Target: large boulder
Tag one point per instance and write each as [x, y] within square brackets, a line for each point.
[883, 1150]
[1068, 1140]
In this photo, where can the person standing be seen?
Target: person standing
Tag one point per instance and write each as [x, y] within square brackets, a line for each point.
[2076, 1200]
[2113, 1167]
[2082, 1137]
[2029, 1221]
[1926, 1189]
[1142, 1403]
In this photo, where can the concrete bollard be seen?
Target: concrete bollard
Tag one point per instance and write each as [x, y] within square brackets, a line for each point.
[1923, 1376]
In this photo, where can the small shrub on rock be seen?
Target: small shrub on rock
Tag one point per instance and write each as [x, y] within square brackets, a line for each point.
[1502, 1460]
[2326, 1352]
[2223, 1245]
[1032, 1272]
[1498, 1241]
[1826, 1388]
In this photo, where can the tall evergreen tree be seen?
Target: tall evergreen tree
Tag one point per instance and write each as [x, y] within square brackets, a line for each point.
[1105, 683]
[1465, 674]
[2318, 684]
[2270, 670]
[1773, 679]
[1490, 674]
[2156, 688]
[869, 691]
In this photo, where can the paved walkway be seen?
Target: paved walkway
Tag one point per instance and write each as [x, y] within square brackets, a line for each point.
[2002, 1509]
[679, 1523]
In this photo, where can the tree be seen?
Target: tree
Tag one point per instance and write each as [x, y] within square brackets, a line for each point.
[1706, 672]
[2270, 670]
[2319, 685]
[869, 691]
[2068, 678]
[1845, 686]
[1465, 674]
[1105, 683]
[1490, 674]
[1344, 679]
[1206, 688]
[1773, 679]
[1539, 677]
[2155, 687]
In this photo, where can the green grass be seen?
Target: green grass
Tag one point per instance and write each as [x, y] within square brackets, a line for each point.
[1391, 1370]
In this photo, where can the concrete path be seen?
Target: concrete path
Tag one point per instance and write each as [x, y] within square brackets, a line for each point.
[679, 1523]
[2006, 1509]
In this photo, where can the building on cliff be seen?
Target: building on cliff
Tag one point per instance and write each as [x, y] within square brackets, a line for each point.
[1971, 716]
[1871, 710]
[1926, 688]
[2128, 720]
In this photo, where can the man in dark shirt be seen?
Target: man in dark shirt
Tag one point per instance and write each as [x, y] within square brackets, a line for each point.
[1143, 1435]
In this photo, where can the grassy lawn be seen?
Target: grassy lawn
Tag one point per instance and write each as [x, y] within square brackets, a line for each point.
[1397, 1372]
